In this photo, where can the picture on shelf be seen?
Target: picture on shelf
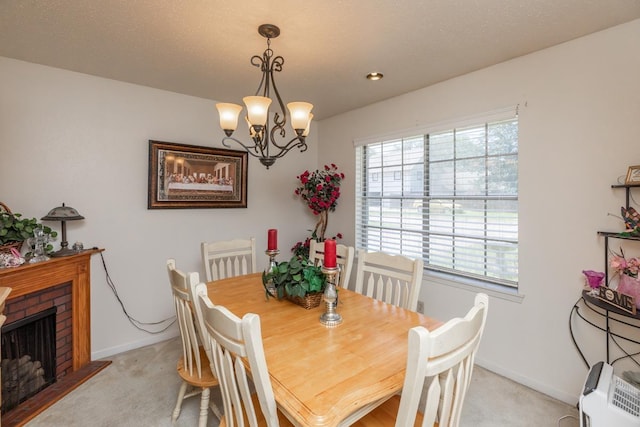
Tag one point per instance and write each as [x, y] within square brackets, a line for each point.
[633, 175]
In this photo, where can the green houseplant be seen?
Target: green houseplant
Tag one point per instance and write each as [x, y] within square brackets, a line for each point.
[14, 230]
[297, 279]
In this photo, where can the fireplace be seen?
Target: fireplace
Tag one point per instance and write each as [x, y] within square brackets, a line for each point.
[62, 284]
[28, 357]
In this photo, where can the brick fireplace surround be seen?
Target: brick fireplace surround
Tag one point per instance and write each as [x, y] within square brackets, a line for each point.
[65, 283]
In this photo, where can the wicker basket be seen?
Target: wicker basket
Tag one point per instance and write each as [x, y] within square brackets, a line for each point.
[7, 247]
[309, 301]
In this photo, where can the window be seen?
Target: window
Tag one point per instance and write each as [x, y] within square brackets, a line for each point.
[449, 197]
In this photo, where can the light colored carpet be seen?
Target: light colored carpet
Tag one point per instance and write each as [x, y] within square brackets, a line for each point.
[140, 388]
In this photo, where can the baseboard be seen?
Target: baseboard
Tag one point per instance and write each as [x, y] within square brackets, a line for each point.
[107, 352]
[570, 399]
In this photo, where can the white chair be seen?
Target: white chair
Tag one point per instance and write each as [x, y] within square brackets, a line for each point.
[394, 279]
[344, 258]
[229, 340]
[442, 361]
[197, 376]
[229, 258]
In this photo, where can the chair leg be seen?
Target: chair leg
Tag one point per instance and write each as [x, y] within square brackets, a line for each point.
[176, 411]
[204, 407]
[214, 408]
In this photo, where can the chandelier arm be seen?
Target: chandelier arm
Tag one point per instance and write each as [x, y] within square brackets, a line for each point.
[255, 151]
[262, 63]
[276, 66]
[297, 142]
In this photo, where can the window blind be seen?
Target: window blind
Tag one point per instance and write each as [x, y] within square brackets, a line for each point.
[447, 196]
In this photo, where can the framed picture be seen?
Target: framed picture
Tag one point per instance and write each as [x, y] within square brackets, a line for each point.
[633, 175]
[188, 176]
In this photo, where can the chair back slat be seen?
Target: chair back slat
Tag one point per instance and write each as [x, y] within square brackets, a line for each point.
[228, 258]
[393, 279]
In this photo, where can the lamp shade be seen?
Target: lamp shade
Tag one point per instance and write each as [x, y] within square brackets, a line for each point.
[62, 213]
[228, 115]
[257, 109]
[308, 128]
[300, 112]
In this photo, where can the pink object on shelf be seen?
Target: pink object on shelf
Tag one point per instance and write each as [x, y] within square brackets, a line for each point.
[330, 253]
[594, 278]
[629, 286]
[272, 239]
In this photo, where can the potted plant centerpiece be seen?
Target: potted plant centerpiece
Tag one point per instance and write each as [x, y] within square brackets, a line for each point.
[297, 280]
[14, 230]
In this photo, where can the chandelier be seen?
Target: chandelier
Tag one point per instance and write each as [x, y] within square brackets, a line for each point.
[263, 135]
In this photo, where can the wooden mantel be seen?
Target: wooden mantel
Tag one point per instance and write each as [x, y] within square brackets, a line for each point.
[74, 269]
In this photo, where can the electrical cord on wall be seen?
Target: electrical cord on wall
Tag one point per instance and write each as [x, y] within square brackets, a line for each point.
[136, 323]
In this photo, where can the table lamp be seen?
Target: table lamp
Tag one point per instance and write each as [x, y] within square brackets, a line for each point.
[63, 213]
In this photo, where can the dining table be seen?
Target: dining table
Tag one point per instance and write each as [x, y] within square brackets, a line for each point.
[326, 376]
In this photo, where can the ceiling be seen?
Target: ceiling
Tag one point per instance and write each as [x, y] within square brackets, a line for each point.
[203, 47]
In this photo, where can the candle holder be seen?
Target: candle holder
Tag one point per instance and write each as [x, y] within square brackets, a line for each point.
[270, 287]
[330, 317]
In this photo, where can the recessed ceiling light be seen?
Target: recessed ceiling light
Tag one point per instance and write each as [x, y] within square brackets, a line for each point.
[374, 76]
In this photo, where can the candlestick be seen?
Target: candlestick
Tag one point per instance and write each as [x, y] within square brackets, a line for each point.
[329, 253]
[330, 317]
[272, 239]
[270, 287]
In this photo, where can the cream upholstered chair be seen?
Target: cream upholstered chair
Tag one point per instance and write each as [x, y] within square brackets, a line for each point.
[229, 258]
[344, 258]
[441, 362]
[193, 367]
[394, 279]
[229, 340]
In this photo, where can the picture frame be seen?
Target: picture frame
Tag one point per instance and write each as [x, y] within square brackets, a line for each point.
[183, 176]
[633, 175]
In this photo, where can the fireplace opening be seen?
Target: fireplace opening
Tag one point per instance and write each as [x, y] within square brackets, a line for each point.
[28, 357]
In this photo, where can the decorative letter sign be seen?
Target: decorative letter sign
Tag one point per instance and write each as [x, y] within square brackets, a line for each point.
[616, 299]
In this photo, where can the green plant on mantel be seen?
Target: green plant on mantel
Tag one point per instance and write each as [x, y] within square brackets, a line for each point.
[296, 277]
[16, 229]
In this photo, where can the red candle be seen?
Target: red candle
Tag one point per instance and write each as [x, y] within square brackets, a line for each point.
[272, 239]
[330, 253]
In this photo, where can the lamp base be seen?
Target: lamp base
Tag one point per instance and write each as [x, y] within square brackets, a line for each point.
[64, 252]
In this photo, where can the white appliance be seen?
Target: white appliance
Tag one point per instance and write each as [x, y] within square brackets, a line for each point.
[607, 400]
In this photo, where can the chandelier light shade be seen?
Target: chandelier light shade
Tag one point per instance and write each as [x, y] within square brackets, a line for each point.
[262, 133]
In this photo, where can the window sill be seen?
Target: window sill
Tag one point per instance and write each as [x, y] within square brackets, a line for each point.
[498, 291]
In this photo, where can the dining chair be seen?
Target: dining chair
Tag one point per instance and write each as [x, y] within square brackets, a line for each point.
[394, 279]
[229, 340]
[197, 376]
[441, 363]
[229, 258]
[344, 258]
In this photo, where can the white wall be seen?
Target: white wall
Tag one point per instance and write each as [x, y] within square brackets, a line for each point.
[83, 140]
[579, 126]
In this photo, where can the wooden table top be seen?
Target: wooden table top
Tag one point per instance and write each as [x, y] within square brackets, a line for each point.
[322, 375]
